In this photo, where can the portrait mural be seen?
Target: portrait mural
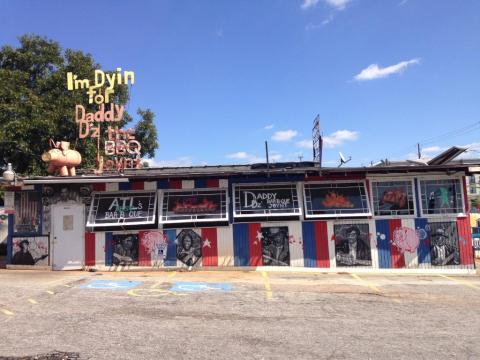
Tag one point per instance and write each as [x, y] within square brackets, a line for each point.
[125, 249]
[189, 247]
[275, 249]
[441, 196]
[30, 251]
[352, 245]
[444, 249]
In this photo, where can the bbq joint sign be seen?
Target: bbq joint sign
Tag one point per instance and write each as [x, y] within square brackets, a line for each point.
[119, 208]
[121, 149]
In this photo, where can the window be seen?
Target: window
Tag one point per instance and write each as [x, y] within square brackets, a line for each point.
[337, 199]
[122, 208]
[27, 212]
[392, 198]
[441, 196]
[266, 200]
[194, 205]
[472, 184]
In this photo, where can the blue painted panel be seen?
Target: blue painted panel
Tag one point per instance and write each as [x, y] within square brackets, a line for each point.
[108, 249]
[423, 250]
[417, 197]
[124, 186]
[9, 239]
[184, 286]
[162, 184]
[309, 246]
[383, 244]
[171, 259]
[200, 183]
[241, 249]
[110, 284]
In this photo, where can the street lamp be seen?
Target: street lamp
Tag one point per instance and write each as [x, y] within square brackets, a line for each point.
[9, 174]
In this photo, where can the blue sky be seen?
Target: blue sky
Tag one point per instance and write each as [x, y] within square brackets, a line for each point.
[224, 76]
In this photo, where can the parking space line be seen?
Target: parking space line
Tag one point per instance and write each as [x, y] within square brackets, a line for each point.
[50, 292]
[157, 284]
[7, 312]
[266, 282]
[461, 282]
[368, 284]
[32, 301]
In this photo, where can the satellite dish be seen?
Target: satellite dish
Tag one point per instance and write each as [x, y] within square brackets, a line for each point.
[342, 159]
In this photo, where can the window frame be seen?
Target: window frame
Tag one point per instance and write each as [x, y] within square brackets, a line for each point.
[338, 215]
[462, 213]
[410, 180]
[293, 185]
[192, 218]
[122, 224]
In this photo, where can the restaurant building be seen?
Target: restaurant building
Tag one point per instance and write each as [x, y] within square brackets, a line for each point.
[407, 217]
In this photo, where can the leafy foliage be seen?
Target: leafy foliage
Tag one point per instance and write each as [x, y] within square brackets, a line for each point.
[35, 104]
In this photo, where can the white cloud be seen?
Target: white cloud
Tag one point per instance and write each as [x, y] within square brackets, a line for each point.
[284, 135]
[305, 144]
[238, 155]
[403, 2]
[432, 149]
[309, 3]
[178, 162]
[247, 158]
[339, 137]
[327, 20]
[375, 72]
[336, 4]
[268, 127]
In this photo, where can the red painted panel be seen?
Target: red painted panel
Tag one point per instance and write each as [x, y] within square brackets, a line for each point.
[465, 196]
[209, 247]
[398, 260]
[89, 249]
[144, 254]
[255, 244]
[138, 185]
[99, 187]
[175, 184]
[321, 244]
[465, 241]
[212, 183]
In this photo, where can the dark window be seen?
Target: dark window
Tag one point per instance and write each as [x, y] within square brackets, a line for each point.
[347, 198]
[392, 198]
[441, 196]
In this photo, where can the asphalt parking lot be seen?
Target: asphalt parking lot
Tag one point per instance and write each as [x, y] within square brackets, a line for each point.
[257, 315]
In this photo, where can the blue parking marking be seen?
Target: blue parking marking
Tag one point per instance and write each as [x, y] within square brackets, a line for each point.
[110, 285]
[182, 286]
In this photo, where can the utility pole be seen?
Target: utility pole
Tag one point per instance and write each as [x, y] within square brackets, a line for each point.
[419, 151]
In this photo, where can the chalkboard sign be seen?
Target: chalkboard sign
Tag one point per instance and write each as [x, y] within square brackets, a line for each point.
[258, 200]
[122, 208]
[194, 205]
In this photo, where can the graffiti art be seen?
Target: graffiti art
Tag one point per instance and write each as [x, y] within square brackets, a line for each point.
[125, 249]
[27, 212]
[189, 247]
[444, 249]
[393, 198]
[30, 251]
[275, 247]
[352, 245]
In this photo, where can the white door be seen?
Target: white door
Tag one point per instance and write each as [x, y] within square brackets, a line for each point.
[68, 226]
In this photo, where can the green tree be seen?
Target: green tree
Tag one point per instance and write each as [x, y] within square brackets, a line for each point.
[36, 106]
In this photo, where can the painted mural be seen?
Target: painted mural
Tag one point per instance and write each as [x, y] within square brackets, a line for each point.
[392, 198]
[406, 239]
[27, 212]
[444, 248]
[125, 249]
[189, 247]
[3, 231]
[352, 245]
[441, 196]
[155, 244]
[30, 251]
[275, 246]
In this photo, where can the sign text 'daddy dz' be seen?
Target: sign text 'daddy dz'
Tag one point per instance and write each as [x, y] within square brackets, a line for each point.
[264, 199]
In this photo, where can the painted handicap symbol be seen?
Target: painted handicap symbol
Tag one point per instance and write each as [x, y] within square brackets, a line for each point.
[110, 285]
[181, 286]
